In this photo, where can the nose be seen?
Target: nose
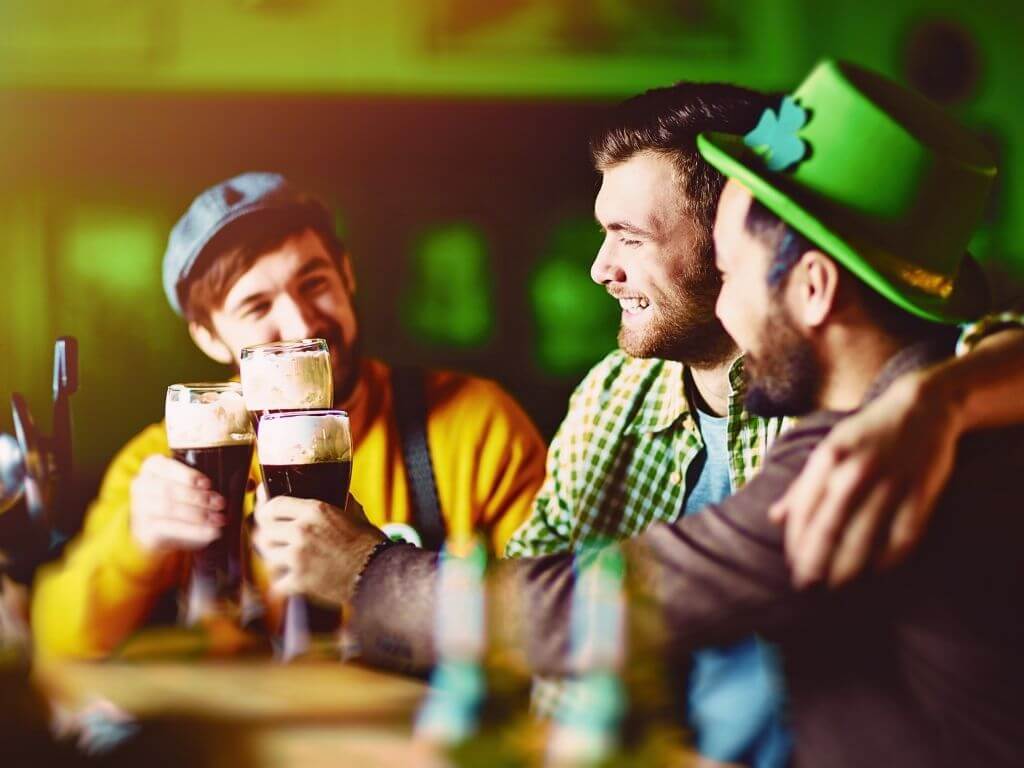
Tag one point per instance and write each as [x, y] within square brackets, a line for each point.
[295, 318]
[605, 268]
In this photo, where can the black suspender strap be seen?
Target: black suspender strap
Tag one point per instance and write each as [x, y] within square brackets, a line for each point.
[407, 386]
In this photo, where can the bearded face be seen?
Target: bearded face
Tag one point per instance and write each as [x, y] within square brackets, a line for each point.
[783, 375]
[682, 326]
[656, 261]
[296, 291]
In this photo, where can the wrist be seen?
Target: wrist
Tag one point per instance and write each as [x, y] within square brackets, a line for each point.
[938, 390]
[134, 556]
[365, 553]
[142, 544]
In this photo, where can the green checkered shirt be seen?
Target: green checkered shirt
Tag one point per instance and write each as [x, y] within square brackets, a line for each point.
[620, 459]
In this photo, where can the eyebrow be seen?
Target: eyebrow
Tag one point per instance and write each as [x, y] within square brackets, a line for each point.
[313, 265]
[628, 228]
[252, 298]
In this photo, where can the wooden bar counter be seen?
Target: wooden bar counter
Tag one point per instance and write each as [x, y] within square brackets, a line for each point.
[184, 707]
[251, 711]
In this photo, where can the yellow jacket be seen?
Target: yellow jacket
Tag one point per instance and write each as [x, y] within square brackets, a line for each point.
[488, 460]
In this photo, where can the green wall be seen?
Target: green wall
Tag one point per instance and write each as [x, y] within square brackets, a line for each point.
[449, 135]
[427, 47]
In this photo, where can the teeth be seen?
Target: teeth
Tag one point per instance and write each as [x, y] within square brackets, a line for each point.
[634, 304]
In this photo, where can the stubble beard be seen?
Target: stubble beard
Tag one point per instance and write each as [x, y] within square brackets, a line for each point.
[784, 378]
[684, 327]
[346, 361]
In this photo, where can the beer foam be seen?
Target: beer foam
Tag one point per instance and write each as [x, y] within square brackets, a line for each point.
[312, 437]
[283, 382]
[214, 419]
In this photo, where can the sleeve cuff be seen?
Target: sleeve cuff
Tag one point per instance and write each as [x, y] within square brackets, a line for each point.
[972, 333]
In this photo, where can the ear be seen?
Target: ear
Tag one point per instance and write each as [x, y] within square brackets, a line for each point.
[210, 343]
[815, 289]
[348, 276]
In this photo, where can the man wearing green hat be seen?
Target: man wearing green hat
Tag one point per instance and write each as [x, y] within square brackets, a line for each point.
[836, 280]
[894, 211]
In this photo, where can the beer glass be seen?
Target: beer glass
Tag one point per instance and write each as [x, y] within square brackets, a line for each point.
[307, 455]
[289, 376]
[208, 428]
[286, 376]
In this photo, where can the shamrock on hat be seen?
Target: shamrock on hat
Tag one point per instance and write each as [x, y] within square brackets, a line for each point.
[775, 136]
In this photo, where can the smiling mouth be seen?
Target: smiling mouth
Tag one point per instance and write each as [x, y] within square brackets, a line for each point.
[634, 305]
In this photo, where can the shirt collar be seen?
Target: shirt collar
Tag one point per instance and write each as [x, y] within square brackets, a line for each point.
[666, 401]
[737, 382]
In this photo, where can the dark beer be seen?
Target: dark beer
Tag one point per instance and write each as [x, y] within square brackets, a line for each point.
[208, 429]
[325, 481]
[227, 467]
[306, 454]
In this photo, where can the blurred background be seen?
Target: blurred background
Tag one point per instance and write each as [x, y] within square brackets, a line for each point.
[448, 135]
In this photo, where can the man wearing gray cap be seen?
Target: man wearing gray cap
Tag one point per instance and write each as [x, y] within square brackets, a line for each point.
[255, 260]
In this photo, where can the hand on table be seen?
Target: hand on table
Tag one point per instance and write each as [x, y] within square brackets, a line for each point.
[173, 508]
[868, 490]
[312, 548]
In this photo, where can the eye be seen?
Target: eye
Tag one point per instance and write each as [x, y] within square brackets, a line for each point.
[313, 284]
[630, 243]
[257, 310]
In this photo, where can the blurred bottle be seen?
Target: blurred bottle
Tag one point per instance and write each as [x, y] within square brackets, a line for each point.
[585, 729]
[620, 707]
[477, 710]
[450, 714]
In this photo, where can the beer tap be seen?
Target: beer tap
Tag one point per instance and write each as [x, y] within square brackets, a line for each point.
[36, 472]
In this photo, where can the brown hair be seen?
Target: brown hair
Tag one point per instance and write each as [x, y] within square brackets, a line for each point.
[233, 250]
[666, 121]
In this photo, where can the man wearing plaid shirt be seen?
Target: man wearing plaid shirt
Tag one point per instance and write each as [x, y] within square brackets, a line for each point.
[631, 432]
[658, 427]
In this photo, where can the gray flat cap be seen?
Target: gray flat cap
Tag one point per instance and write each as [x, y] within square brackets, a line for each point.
[220, 205]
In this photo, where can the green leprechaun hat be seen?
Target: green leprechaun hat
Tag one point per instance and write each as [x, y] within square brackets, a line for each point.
[878, 177]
